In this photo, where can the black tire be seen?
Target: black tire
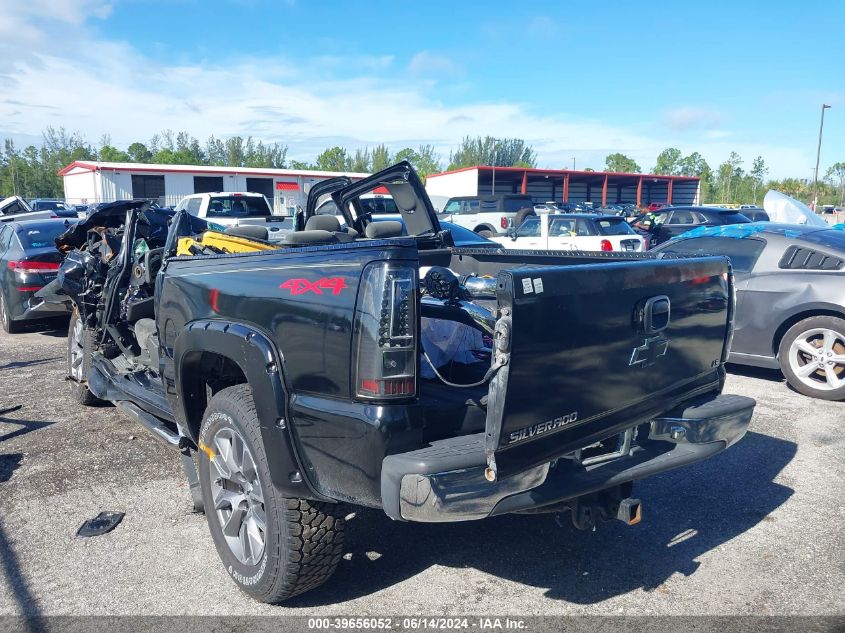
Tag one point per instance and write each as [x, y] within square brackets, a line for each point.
[79, 387]
[485, 233]
[12, 327]
[522, 215]
[812, 330]
[303, 540]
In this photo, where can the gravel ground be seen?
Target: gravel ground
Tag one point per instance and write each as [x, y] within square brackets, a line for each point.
[756, 530]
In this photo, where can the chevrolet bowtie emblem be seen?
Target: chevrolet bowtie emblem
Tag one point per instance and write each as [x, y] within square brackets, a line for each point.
[648, 353]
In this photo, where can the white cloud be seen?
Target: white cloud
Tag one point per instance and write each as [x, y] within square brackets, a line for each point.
[686, 118]
[428, 63]
[98, 87]
[64, 11]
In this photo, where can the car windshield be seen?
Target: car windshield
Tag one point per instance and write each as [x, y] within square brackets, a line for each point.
[743, 253]
[40, 235]
[48, 205]
[613, 226]
[238, 207]
[378, 205]
[732, 217]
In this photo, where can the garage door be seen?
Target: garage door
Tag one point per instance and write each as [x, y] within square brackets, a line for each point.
[260, 185]
[148, 187]
[207, 184]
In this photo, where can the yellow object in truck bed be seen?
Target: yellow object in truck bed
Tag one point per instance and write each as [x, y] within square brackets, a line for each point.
[223, 241]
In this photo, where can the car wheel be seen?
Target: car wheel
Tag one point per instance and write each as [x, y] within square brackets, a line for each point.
[485, 233]
[10, 326]
[272, 546]
[80, 345]
[812, 357]
[522, 215]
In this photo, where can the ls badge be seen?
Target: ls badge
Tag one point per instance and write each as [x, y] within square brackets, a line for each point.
[647, 354]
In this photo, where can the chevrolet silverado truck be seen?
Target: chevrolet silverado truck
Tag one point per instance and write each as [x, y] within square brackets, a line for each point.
[358, 366]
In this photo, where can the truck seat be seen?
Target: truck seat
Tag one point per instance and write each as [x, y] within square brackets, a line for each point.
[331, 224]
[309, 238]
[383, 229]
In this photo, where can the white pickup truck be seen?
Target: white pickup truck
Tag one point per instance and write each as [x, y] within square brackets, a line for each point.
[232, 208]
[574, 231]
[488, 215]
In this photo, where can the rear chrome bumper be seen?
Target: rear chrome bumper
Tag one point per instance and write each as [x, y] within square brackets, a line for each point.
[461, 494]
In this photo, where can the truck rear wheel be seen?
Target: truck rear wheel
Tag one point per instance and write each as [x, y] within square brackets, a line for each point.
[273, 547]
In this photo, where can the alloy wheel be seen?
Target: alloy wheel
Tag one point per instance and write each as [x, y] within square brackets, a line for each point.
[237, 496]
[817, 357]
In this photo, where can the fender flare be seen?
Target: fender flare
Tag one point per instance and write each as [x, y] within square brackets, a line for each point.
[260, 362]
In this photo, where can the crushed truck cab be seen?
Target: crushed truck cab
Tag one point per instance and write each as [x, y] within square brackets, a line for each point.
[375, 364]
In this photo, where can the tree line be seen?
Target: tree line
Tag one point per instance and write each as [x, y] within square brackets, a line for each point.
[32, 171]
[730, 183]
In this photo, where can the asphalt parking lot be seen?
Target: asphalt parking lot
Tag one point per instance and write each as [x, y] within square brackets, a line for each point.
[756, 530]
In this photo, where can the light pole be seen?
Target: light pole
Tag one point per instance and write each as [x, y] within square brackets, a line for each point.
[573, 163]
[818, 153]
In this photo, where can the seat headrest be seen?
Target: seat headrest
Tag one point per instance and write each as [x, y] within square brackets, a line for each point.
[384, 228]
[250, 231]
[310, 237]
[322, 223]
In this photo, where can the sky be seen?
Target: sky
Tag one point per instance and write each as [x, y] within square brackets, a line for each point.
[573, 79]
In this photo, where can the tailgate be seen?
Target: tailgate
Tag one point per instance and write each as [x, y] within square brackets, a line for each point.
[592, 349]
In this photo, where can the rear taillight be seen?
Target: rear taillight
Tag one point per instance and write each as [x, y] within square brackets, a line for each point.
[504, 222]
[606, 245]
[24, 266]
[386, 332]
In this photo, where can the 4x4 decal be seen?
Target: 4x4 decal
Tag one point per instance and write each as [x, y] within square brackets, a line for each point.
[301, 286]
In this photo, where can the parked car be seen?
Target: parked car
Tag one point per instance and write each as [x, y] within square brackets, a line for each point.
[488, 215]
[14, 205]
[28, 262]
[790, 308]
[341, 368]
[755, 214]
[59, 208]
[460, 236]
[664, 224]
[231, 208]
[585, 232]
[656, 206]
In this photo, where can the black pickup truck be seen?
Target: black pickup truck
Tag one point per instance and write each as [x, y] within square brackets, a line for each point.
[352, 364]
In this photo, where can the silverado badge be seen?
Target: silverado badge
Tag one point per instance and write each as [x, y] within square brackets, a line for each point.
[543, 427]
